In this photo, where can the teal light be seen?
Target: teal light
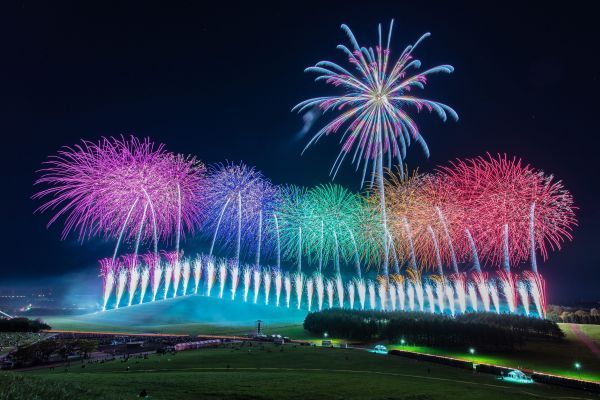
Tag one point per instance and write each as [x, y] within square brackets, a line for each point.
[472, 350]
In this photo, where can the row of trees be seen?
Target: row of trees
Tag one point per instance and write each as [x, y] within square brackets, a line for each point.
[484, 330]
[22, 325]
[574, 315]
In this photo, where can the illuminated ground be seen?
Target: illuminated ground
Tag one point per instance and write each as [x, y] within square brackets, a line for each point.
[185, 315]
[267, 372]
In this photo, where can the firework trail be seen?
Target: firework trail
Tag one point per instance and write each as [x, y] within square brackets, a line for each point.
[278, 285]
[329, 289]
[430, 297]
[410, 292]
[247, 282]
[222, 271]
[474, 254]
[372, 298]
[508, 284]
[168, 276]
[415, 278]
[144, 280]
[197, 273]
[375, 121]
[309, 292]
[107, 271]
[267, 283]
[361, 289]
[351, 293]
[320, 289]
[340, 290]
[287, 283]
[130, 264]
[493, 289]
[480, 279]
[173, 262]
[537, 289]
[524, 294]
[460, 288]
[210, 274]
[186, 270]
[234, 273]
[298, 286]
[256, 283]
[473, 296]
[121, 283]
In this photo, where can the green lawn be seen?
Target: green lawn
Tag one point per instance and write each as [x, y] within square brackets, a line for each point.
[593, 331]
[268, 372]
[542, 356]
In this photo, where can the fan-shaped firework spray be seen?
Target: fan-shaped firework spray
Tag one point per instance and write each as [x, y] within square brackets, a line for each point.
[267, 283]
[278, 285]
[430, 297]
[339, 285]
[133, 272]
[320, 288]
[197, 273]
[392, 296]
[222, 277]
[144, 281]
[399, 284]
[168, 275]
[382, 291]
[459, 282]
[234, 273]
[310, 286]
[351, 293]
[107, 271]
[372, 298]
[211, 273]
[508, 284]
[524, 295]
[440, 294]
[361, 289]
[537, 288]
[473, 296]
[480, 279]
[410, 293]
[329, 289]
[156, 272]
[415, 278]
[172, 271]
[256, 283]
[375, 104]
[298, 286]
[185, 276]
[247, 282]
[493, 289]
[287, 283]
[450, 296]
[121, 283]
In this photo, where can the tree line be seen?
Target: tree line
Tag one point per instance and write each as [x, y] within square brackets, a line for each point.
[22, 325]
[484, 330]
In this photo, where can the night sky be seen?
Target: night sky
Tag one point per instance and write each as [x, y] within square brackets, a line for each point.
[218, 81]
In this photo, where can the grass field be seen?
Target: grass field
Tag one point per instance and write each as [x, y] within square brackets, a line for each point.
[272, 372]
[542, 356]
[224, 317]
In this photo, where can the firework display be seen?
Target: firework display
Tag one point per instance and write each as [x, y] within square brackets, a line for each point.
[463, 238]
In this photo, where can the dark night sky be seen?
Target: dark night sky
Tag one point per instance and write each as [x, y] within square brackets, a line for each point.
[219, 81]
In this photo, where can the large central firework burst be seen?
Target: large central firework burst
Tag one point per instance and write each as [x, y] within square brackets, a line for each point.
[374, 108]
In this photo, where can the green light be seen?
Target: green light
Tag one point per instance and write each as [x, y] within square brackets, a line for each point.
[402, 342]
[472, 350]
[325, 334]
[577, 365]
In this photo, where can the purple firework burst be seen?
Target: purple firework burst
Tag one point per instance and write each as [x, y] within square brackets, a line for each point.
[123, 188]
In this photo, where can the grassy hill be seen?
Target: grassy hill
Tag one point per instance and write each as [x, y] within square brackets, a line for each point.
[271, 372]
